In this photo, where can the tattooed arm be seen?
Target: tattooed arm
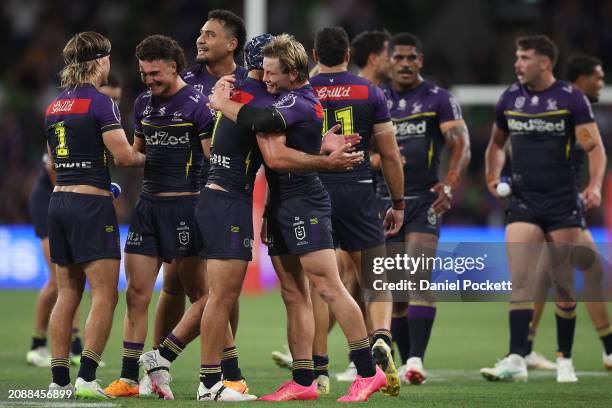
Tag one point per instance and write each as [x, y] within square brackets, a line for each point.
[590, 140]
[457, 139]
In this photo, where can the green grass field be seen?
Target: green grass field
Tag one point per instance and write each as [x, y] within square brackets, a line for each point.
[466, 336]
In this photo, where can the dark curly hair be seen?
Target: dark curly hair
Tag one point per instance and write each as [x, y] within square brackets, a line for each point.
[161, 47]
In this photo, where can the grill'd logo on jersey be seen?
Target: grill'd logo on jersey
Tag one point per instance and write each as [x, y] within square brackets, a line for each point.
[410, 128]
[163, 138]
[66, 106]
[536, 125]
[341, 92]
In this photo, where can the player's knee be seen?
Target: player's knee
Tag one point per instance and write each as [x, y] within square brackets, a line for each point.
[137, 297]
[292, 296]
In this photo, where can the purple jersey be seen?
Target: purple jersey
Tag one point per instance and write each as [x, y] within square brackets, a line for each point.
[235, 156]
[541, 128]
[172, 129]
[357, 105]
[75, 121]
[199, 77]
[303, 117]
[417, 115]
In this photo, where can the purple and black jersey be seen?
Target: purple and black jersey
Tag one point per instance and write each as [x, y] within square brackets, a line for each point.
[357, 105]
[302, 114]
[235, 156]
[172, 129]
[199, 77]
[541, 128]
[74, 123]
[417, 115]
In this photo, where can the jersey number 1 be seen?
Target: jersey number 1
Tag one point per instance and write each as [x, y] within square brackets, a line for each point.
[60, 131]
[343, 116]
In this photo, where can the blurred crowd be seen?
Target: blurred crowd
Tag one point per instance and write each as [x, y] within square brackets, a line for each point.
[465, 42]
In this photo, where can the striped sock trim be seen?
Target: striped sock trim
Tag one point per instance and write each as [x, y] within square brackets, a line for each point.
[565, 312]
[231, 352]
[604, 331]
[92, 355]
[132, 350]
[302, 365]
[170, 343]
[60, 362]
[359, 344]
[209, 369]
[381, 332]
[321, 363]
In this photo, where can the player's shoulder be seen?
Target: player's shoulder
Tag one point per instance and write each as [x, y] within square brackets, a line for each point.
[433, 90]
[191, 72]
[192, 94]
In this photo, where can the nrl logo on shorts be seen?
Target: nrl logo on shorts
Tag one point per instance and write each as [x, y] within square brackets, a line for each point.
[298, 228]
[432, 218]
[183, 233]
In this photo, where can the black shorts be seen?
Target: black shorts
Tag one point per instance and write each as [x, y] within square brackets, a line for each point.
[356, 219]
[548, 212]
[418, 216]
[82, 228]
[38, 206]
[163, 227]
[225, 223]
[299, 225]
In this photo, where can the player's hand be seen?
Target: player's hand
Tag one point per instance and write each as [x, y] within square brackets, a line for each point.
[332, 140]
[591, 197]
[492, 183]
[443, 202]
[221, 92]
[263, 234]
[341, 160]
[394, 219]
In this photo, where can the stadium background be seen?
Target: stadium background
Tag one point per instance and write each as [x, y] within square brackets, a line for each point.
[467, 44]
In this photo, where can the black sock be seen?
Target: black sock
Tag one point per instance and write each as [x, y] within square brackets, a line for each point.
[321, 365]
[519, 329]
[605, 334]
[401, 335]
[60, 371]
[229, 364]
[362, 357]
[566, 327]
[129, 365]
[210, 374]
[76, 347]
[89, 365]
[420, 321]
[38, 342]
[303, 372]
[171, 347]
